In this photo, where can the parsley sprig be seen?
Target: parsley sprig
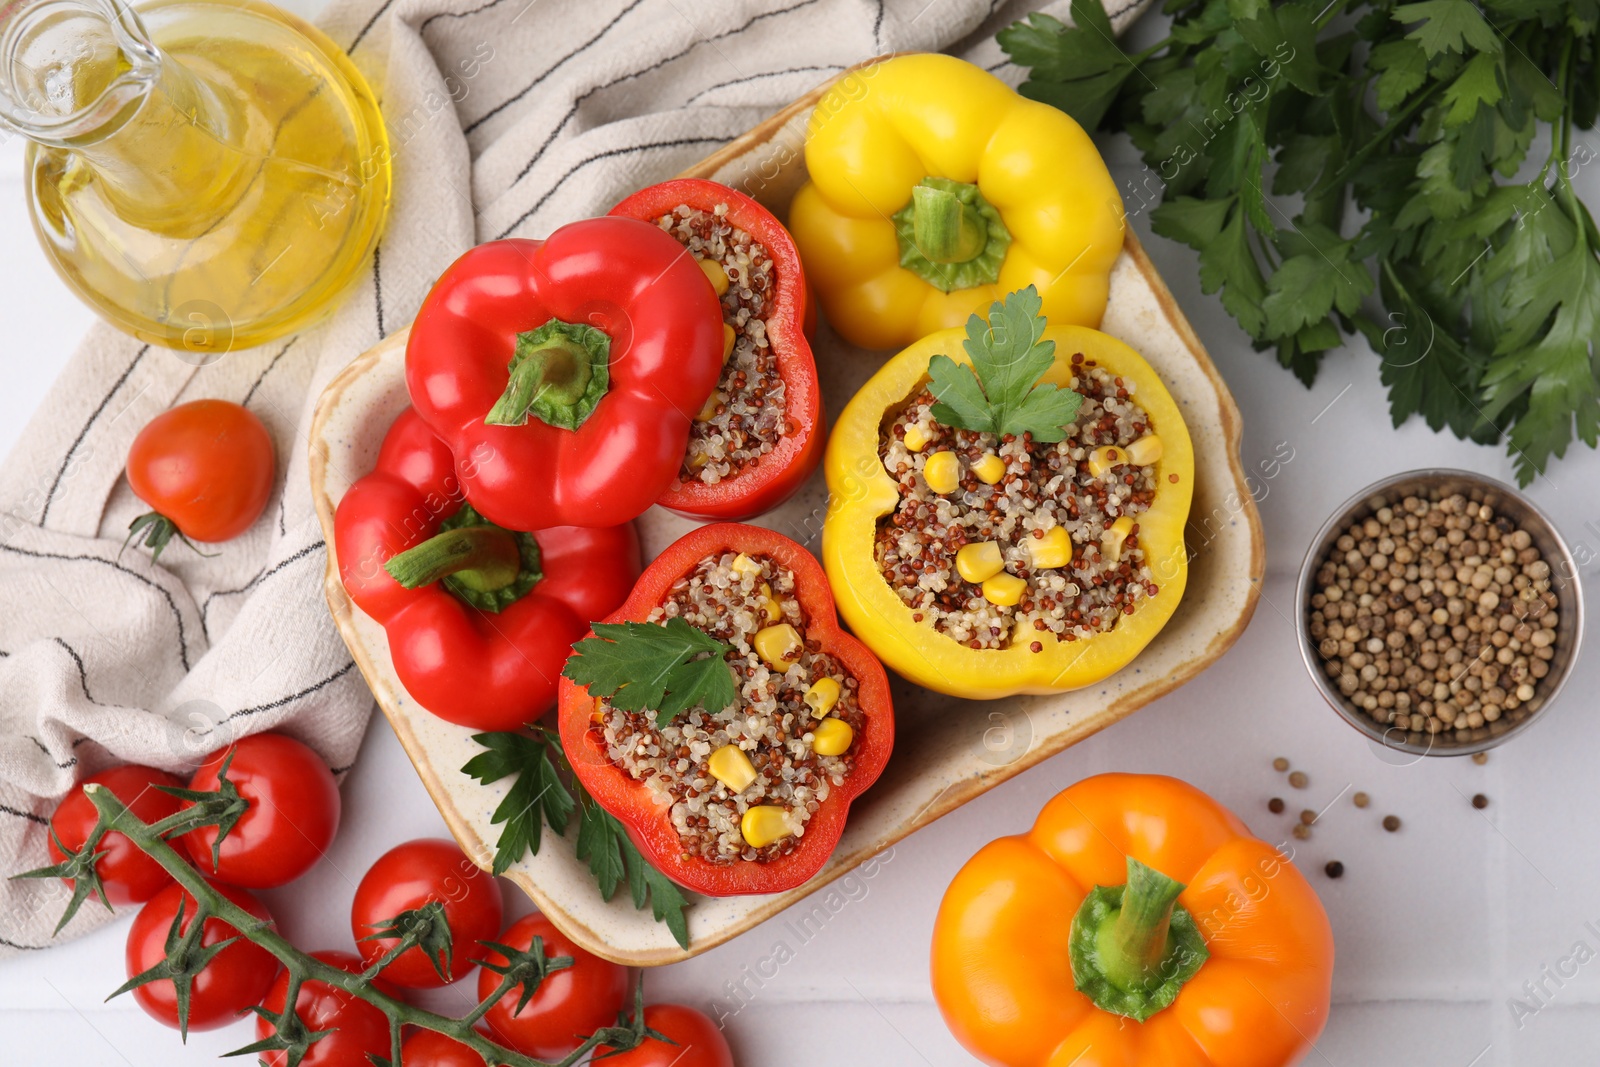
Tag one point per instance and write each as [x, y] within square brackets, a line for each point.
[1000, 392]
[645, 666]
[545, 792]
[1401, 130]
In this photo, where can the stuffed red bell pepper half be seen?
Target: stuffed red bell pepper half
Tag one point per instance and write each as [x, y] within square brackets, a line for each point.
[760, 434]
[571, 369]
[724, 717]
[479, 618]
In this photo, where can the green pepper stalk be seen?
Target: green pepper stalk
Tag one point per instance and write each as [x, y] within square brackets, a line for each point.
[558, 374]
[486, 565]
[1133, 946]
[187, 957]
[950, 236]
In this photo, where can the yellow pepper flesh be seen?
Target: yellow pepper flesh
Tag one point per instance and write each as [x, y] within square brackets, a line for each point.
[878, 133]
[863, 492]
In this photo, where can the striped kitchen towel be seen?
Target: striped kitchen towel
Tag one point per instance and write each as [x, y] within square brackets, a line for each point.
[507, 117]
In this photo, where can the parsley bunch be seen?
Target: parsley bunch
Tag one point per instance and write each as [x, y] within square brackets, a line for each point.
[1347, 167]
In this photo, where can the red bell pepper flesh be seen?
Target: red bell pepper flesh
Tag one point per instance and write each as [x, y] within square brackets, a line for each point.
[480, 669]
[628, 279]
[646, 820]
[753, 490]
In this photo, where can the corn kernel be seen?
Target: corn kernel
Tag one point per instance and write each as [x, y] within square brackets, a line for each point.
[916, 438]
[832, 737]
[709, 411]
[764, 824]
[1004, 590]
[769, 604]
[942, 472]
[717, 276]
[979, 561]
[732, 768]
[1111, 541]
[1102, 460]
[1054, 549]
[990, 469]
[779, 645]
[821, 696]
[1145, 451]
[728, 337]
[745, 567]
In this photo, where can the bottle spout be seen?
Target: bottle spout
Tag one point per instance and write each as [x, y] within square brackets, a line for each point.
[72, 71]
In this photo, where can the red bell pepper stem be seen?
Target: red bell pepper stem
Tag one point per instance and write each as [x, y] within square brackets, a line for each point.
[558, 375]
[484, 558]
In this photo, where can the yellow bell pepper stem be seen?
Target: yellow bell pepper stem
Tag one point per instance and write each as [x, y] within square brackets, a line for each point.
[946, 230]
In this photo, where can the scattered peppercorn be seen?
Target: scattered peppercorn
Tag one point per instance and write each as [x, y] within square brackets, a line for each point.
[1302, 831]
[1308, 817]
[1435, 615]
[1334, 869]
[1480, 801]
[1480, 758]
[1280, 764]
[1275, 805]
[1361, 800]
[1391, 823]
[1299, 780]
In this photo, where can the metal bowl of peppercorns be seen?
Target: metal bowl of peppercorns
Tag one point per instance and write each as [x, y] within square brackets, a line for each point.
[1439, 612]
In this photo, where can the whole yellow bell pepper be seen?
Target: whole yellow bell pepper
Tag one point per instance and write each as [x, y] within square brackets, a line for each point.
[935, 189]
[862, 492]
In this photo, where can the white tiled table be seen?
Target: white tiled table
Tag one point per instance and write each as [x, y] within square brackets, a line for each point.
[1438, 926]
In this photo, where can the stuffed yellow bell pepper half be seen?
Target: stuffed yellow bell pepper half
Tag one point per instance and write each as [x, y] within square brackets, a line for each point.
[1009, 520]
[935, 189]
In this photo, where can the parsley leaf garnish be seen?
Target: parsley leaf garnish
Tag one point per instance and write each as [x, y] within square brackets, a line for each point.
[541, 795]
[1398, 137]
[538, 796]
[642, 666]
[1000, 393]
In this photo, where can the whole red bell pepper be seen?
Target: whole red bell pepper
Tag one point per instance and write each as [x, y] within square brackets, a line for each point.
[572, 366]
[484, 618]
[647, 820]
[762, 485]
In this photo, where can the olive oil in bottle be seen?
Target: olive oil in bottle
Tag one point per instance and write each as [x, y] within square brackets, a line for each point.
[207, 174]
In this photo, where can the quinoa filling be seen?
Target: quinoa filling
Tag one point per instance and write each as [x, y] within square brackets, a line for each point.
[744, 418]
[1014, 493]
[737, 599]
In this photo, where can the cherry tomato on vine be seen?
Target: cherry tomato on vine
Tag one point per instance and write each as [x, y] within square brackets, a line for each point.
[293, 814]
[205, 467]
[411, 875]
[126, 873]
[360, 1030]
[568, 1006]
[698, 1042]
[236, 978]
[428, 1048]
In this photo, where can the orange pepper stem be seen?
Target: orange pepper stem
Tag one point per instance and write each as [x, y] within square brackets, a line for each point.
[484, 558]
[1133, 946]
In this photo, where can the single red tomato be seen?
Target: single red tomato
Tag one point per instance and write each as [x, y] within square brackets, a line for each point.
[568, 1006]
[294, 812]
[127, 874]
[205, 467]
[428, 1048]
[360, 1030]
[697, 1041]
[237, 978]
[411, 875]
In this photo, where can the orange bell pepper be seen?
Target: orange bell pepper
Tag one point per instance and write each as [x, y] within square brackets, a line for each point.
[1190, 942]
